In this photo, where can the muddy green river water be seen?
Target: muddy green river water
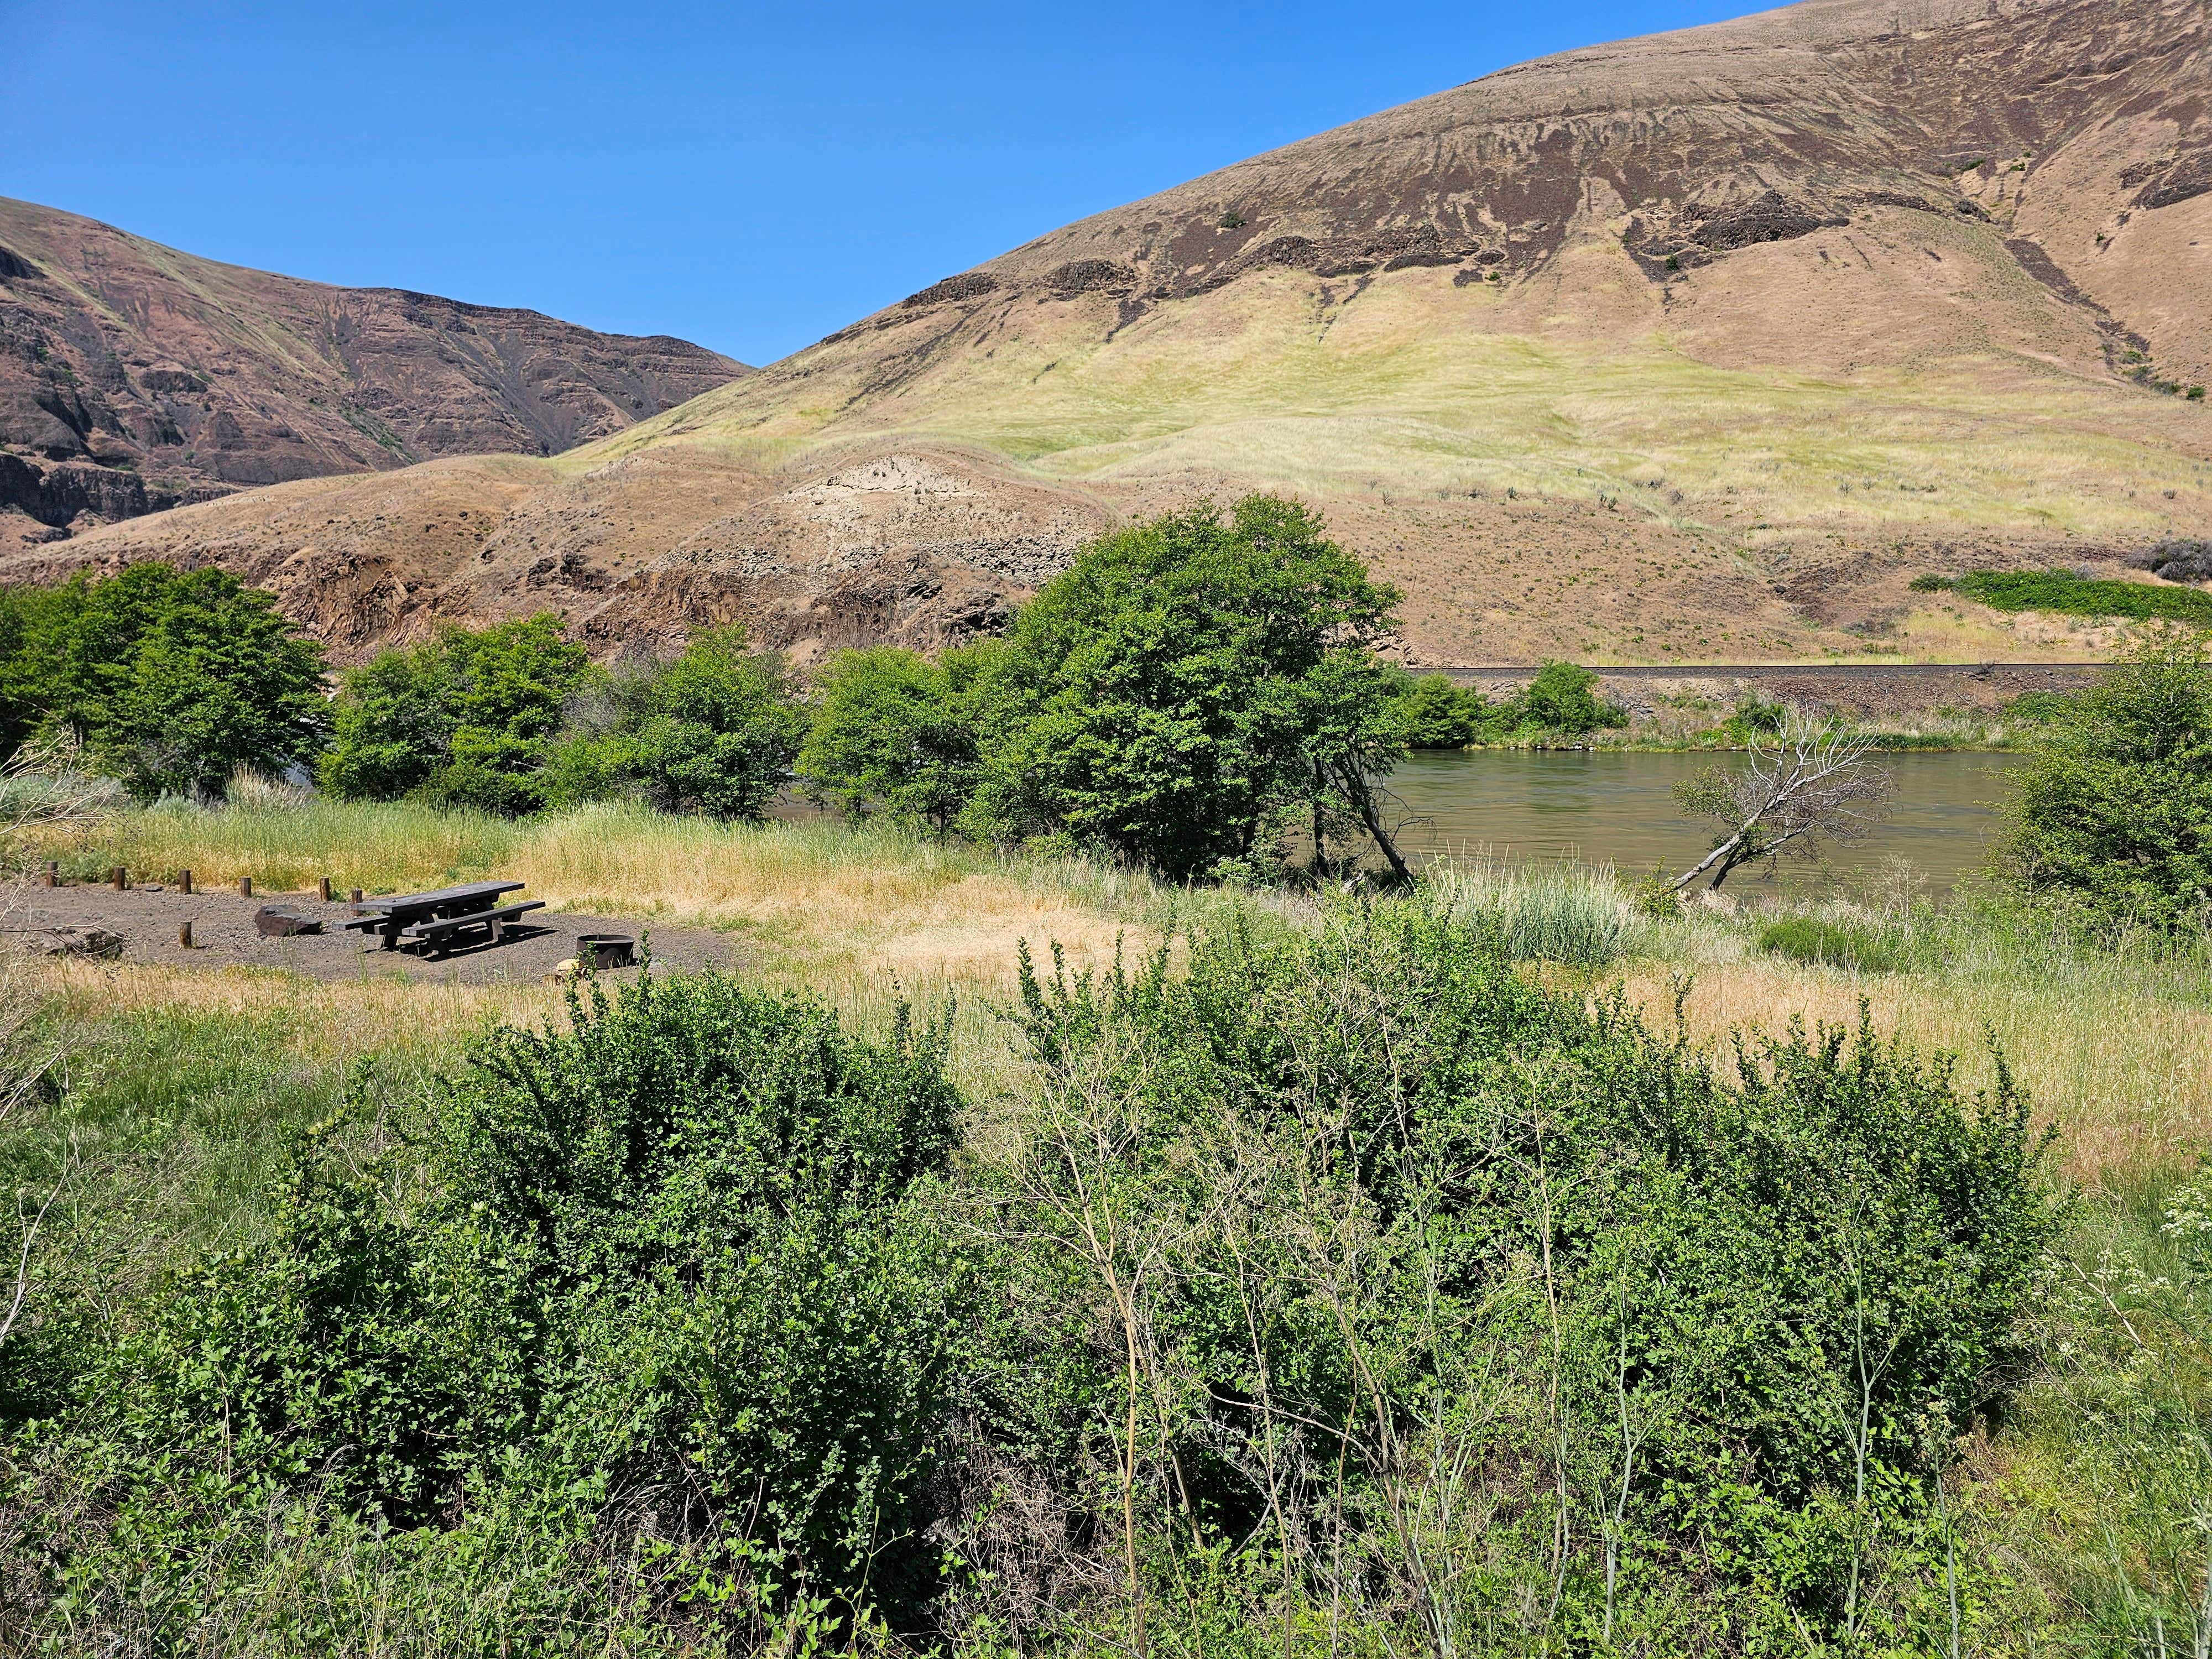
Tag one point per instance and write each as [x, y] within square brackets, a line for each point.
[1608, 807]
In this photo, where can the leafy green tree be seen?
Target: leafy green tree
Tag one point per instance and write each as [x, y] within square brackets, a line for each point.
[1435, 714]
[171, 679]
[1562, 699]
[1179, 688]
[35, 626]
[892, 731]
[713, 730]
[393, 720]
[466, 719]
[2113, 814]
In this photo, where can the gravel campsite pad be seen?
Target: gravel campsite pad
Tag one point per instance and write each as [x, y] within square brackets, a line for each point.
[224, 935]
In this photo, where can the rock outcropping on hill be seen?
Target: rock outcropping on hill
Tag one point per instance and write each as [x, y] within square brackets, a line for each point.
[133, 377]
[1695, 346]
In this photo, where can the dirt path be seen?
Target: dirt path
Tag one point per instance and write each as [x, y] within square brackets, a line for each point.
[223, 936]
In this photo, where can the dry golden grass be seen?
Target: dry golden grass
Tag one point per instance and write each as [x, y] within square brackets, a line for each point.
[815, 896]
[322, 1020]
[819, 897]
[2125, 1076]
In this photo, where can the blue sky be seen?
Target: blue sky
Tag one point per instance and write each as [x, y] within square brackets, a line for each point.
[750, 177]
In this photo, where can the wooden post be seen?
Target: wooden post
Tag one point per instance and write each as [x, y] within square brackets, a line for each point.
[184, 881]
[53, 877]
[356, 898]
[120, 877]
[185, 934]
[246, 887]
[326, 890]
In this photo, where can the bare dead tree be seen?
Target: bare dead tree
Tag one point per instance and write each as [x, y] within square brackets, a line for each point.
[1820, 782]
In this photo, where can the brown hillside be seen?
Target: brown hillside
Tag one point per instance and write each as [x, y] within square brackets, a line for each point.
[133, 377]
[1695, 346]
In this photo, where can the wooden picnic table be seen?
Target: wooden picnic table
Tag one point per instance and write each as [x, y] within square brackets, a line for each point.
[393, 912]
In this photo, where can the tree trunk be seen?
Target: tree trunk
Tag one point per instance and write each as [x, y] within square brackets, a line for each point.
[1362, 802]
[1321, 848]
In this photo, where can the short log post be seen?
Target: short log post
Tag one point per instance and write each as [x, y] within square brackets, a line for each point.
[185, 934]
[246, 887]
[356, 898]
[326, 890]
[120, 877]
[53, 874]
[184, 881]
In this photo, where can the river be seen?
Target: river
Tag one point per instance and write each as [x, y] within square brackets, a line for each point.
[1608, 806]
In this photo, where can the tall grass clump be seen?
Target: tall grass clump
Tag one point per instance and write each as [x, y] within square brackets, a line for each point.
[1828, 943]
[1540, 912]
[382, 847]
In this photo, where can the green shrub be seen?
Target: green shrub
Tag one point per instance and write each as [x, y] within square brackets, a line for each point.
[1755, 717]
[1562, 700]
[893, 733]
[713, 730]
[2065, 593]
[660, 1279]
[2113, 814]
[465, 720]
[1652, 896]
[1836, 945]
[1370, 1189]
[1437, 714]
[1931, 584]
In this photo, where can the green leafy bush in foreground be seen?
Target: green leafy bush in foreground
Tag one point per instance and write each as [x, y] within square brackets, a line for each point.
[659, 1274]
[1350, 1281]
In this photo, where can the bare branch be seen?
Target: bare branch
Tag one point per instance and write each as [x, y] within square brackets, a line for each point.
[1821, 782]
[28, 1227]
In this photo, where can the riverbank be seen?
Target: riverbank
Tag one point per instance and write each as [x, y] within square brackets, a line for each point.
[1898, 707]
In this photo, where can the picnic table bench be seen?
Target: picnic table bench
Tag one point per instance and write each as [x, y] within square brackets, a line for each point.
[439, 933]
[434, 917]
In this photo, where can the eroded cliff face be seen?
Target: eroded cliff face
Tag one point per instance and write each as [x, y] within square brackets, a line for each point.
[134, 378]
[2062, 123]
[876, 542]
